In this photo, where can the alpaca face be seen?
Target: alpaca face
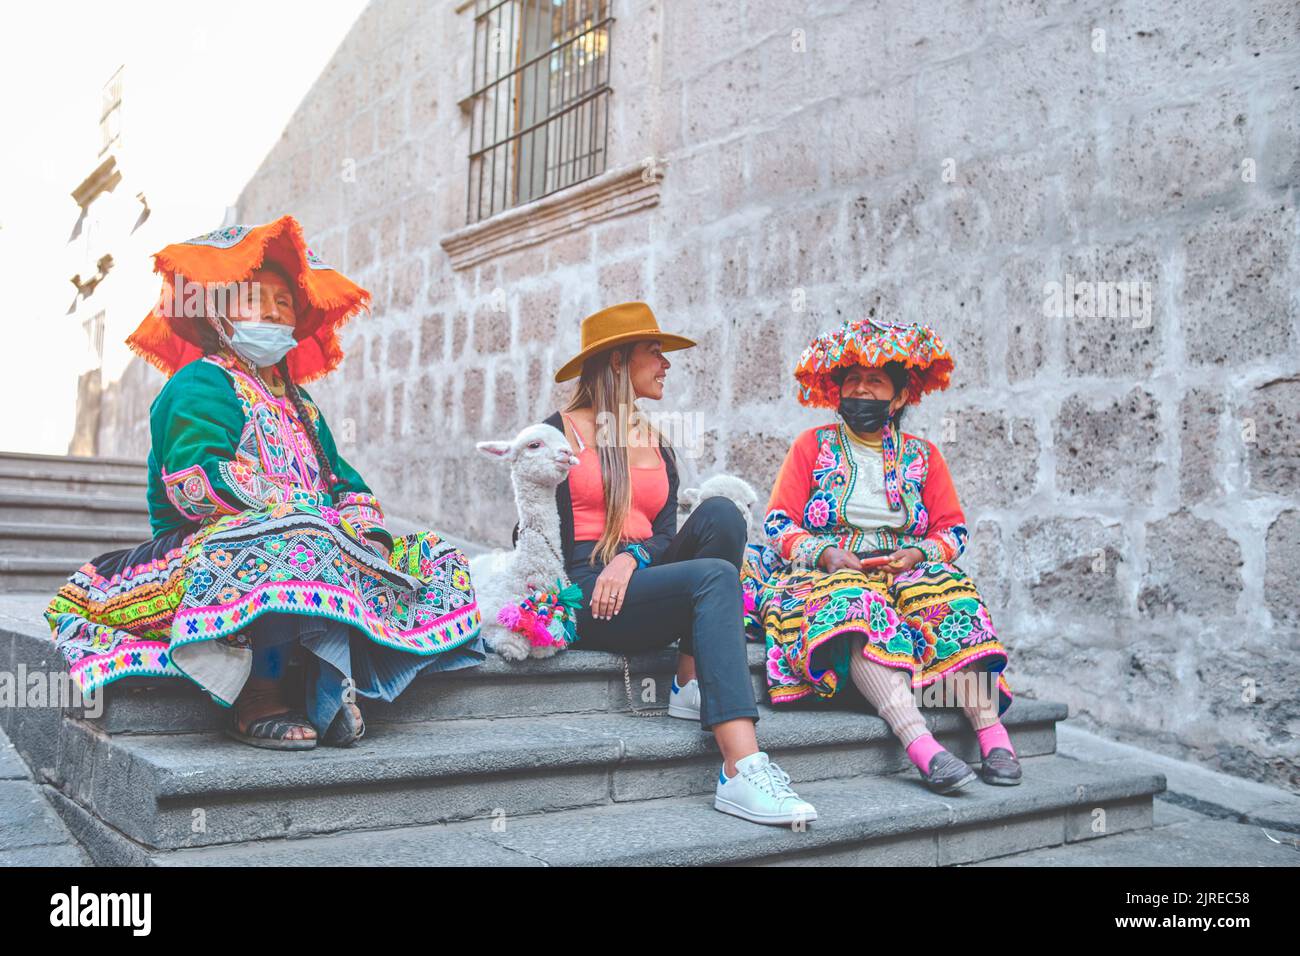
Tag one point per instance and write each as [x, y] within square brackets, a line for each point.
[538, 455]
[544, 459]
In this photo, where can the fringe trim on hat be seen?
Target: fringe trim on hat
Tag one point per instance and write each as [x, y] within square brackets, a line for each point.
[862, 342]
[332, 298]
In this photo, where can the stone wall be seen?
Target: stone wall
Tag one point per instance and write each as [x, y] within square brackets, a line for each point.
[1130, 482]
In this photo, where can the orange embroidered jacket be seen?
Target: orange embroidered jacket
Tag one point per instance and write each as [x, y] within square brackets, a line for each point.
[805, 515]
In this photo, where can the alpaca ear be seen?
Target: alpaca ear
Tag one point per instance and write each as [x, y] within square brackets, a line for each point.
[499, 450]
[688, 496]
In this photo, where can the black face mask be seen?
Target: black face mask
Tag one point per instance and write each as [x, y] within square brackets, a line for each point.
[864, 414]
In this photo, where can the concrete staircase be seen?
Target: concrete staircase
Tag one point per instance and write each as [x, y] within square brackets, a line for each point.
[57, 512]
[534, 764]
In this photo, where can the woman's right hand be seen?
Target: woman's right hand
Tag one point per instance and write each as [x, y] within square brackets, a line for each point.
[611, 586]
[837, 559]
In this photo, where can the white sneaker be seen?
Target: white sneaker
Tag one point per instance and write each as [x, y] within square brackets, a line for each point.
[760, 792]
[684, 702]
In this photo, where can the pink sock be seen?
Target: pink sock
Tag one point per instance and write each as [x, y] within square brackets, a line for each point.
[995, 736]
[921, 750]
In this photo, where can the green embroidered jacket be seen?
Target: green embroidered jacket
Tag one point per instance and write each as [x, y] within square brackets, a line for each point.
[222, 444]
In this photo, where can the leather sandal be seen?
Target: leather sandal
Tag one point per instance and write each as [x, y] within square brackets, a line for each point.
[271, 733]
[346, 728]
[948, 773]
[1001, 768]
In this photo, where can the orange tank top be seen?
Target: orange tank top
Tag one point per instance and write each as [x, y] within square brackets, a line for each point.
[649, 495]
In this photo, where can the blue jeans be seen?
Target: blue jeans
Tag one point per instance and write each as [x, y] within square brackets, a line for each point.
[276, 639]
[693, 592]
[338, 660]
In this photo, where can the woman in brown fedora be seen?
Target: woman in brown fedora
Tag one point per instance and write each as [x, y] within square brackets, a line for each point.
[643, 581]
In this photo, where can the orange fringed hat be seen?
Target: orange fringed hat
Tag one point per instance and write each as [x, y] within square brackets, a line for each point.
[873, 343]
[326, 298]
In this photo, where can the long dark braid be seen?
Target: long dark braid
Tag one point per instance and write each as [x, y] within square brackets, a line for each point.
[295, 396]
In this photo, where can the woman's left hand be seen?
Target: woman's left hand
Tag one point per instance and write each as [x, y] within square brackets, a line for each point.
[379, 547]
[904, 559]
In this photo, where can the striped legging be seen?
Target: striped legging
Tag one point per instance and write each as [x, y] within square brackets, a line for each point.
[889, 690]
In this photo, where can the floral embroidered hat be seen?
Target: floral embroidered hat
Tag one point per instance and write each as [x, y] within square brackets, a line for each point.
[169, 337]
[873, 343]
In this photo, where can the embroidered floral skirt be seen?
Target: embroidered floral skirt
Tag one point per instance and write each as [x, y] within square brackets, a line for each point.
[178, 606]
[930, 621]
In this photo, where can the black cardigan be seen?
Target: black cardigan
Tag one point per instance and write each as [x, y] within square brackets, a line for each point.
[664, 525]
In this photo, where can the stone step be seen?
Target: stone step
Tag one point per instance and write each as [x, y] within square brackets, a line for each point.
[149, 786]
[29, 480]
[56, 508]
[74, 468]
[46, 484]
[573, 682]
[870, 820]
[31, 833]
[79, 542]
[581, 787]
[35, 575]
[1199, 843]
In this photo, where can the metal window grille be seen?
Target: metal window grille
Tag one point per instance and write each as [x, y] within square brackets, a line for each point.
[94, 329]
[110, 113]
[539, 117]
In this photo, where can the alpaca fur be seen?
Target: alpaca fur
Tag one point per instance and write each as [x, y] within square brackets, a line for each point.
[740, 492]
[539, 459]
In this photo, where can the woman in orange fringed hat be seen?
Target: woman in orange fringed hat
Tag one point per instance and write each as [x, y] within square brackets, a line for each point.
[858, 581]
[267, 544]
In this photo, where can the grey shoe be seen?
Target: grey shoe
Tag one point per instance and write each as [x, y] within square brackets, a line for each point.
[948, 774]
[1001, 768]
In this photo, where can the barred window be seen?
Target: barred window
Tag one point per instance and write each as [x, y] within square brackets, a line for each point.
[540, 103]
[110, 114]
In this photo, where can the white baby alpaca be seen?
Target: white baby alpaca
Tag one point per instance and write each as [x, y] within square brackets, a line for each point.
[539, 459]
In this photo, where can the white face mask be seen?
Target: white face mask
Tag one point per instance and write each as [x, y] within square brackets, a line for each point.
[262, 343]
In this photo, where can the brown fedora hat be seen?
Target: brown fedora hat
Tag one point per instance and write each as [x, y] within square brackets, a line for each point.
[626, 322]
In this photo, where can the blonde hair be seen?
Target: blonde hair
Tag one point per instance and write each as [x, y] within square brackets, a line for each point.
[609, 394]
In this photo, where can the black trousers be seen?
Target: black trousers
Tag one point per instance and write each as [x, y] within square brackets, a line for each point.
[693, 593]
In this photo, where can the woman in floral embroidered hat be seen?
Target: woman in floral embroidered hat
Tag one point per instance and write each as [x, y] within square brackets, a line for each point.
[858, 580]
[267, 544]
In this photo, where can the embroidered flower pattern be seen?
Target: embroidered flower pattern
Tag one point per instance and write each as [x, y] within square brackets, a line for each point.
[833, 612]
[302, 558]
[820, 512]
[882, 620]
[778, 667]
[251, 568]
[956, 625]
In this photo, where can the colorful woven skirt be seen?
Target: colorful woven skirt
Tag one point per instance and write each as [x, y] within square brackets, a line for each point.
[929, 621]
[178, 606]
